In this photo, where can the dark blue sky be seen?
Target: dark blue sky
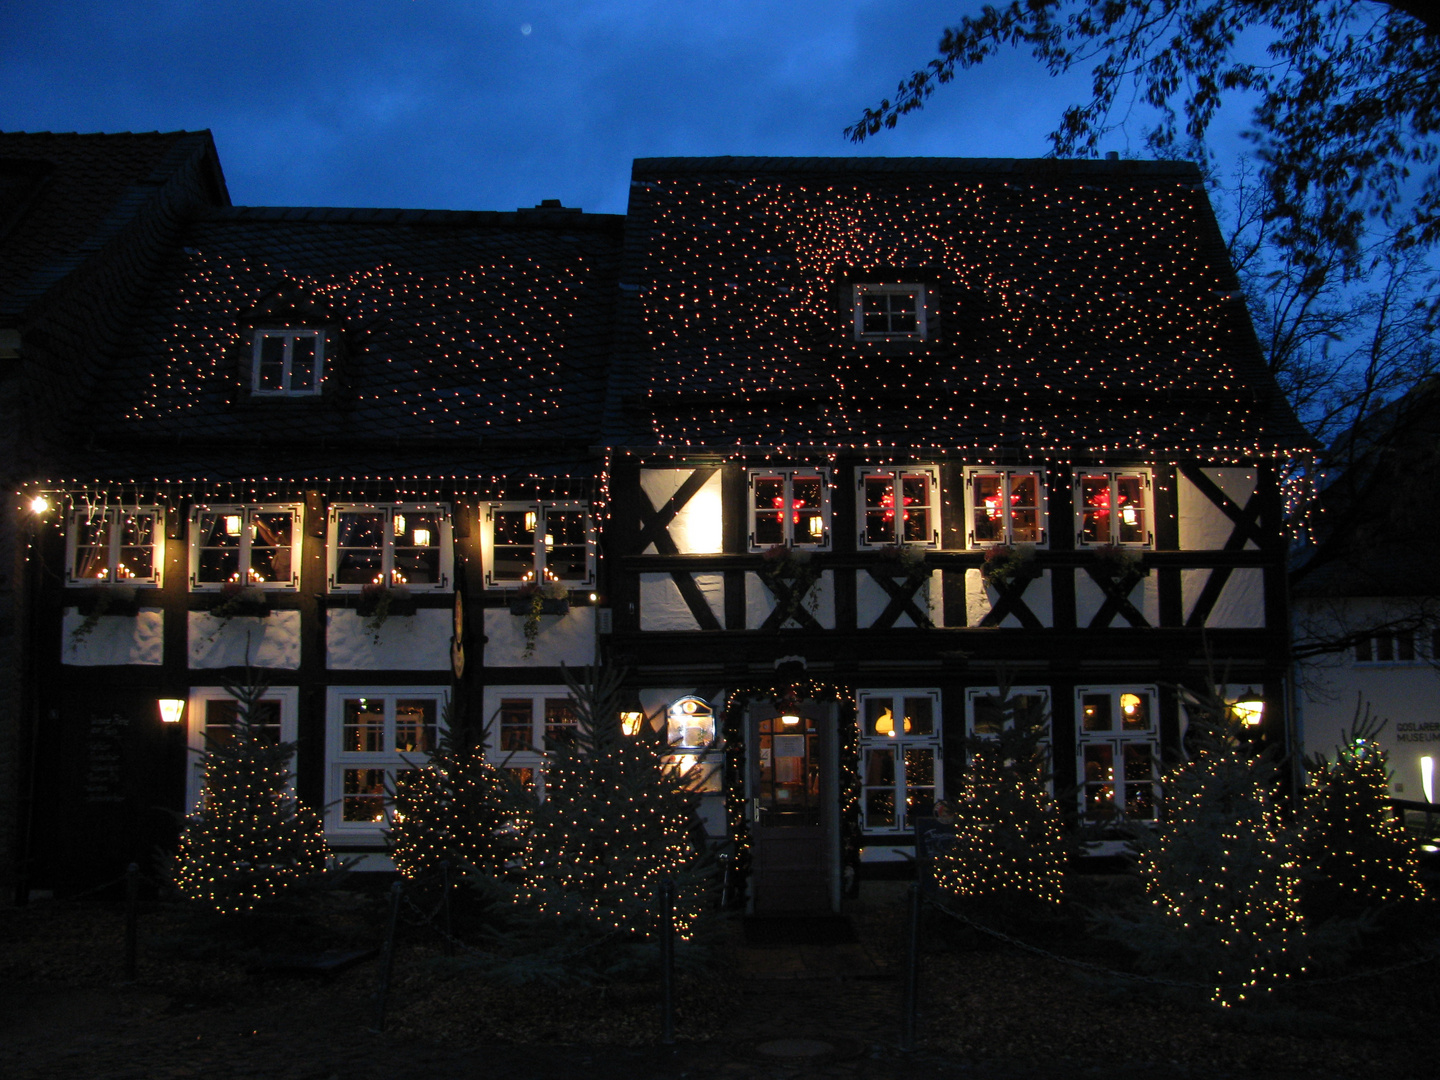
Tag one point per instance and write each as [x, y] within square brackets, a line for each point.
[474, 104]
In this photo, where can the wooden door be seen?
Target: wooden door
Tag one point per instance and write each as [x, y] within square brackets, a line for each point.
[791, 787]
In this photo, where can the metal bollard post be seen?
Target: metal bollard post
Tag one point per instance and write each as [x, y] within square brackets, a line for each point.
[445, 905]
[667, 962]
[912, 974]
[387, 958]
[132, 903]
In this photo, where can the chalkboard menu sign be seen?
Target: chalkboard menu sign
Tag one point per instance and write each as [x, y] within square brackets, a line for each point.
[105, 746]
[932, 836]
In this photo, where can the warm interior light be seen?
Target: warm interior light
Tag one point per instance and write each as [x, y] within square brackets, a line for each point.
[39, 504]
[232, 524]
[172, 709]
[530, 521]
[630, 722]
[1427, 777]
[422, 537]
[1129, 704]
[885, 724]
[789, 719]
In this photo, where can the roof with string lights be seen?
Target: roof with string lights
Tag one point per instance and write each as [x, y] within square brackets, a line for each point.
[1075, 309]
[452, 338]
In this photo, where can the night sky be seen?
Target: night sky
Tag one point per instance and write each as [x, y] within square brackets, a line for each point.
[471, 104]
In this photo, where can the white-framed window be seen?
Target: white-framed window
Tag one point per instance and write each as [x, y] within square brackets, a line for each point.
[985, 714]
[116, 544]
[373, 736]
[1112, 506]
[245, 545]
[901, 772]
[539, 541]
[790, 507]
[522, 723]
[889, 312]
[1392, 647]
[210, 714]
[287, 363]
[1005, 506]
[404, 544]
[899, 506]
[1118, 747]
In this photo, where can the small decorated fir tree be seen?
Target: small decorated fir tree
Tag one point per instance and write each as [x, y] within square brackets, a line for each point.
[250, 839]
[1354, 853]
[1009, 845]
[1220, 872]
[460, 807]
[613, 825]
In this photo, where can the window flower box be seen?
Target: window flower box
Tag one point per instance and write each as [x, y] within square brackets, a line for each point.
[1006, 565]
[240, 600]
[109, 600]
[379, 602]
[534, 599]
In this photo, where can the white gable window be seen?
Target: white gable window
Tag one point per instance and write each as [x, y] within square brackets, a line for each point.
[525, 542]
[900, 763]
[889, 312]
[790, 507]
[1112, 506]
[375, 736]
[1005, 506]
[287, 363]
[245, 545]
[406, 545]
[1119, 752]
[898, 506]
[118, 544]
[523, 722]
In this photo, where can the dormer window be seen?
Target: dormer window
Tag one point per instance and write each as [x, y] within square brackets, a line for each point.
[287, 363]
[889, 312]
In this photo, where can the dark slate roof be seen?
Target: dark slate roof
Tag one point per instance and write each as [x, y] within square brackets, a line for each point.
[463, 342]
[63, 196]
[1373, 527]
[1083, 308]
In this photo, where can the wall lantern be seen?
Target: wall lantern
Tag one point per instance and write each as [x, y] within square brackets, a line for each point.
[39, 504]
[630, 722]
[1427, 777]
[171, 709]
[1249, 709]
[789, 708]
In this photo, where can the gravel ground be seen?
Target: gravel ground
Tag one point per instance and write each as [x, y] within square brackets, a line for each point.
[988, 1010]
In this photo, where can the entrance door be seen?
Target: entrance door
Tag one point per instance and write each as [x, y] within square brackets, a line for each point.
[793, 812]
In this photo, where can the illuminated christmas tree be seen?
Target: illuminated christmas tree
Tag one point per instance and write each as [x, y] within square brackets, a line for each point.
[1009, 845]
[457, 806]
[1354, 852]
[614, 823]
[250, 839]
[1220, 870]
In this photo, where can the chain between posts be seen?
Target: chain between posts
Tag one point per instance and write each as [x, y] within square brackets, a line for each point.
[1101, 969]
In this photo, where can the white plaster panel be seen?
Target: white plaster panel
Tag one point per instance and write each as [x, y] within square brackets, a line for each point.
[871, 600]
[711, 812]
[980, 599]
[116, 639]
[663, 608]
[759, 603]
[1203, 526]
[563, 639]
[271, 642]
[1089, 597]
[697, 528]
[419, 642]
[1242, 601]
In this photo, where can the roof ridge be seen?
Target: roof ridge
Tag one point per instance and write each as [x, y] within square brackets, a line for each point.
[366, 215]
[1089, 167]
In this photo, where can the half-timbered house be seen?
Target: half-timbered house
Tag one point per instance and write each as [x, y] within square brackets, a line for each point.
[824, 453]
